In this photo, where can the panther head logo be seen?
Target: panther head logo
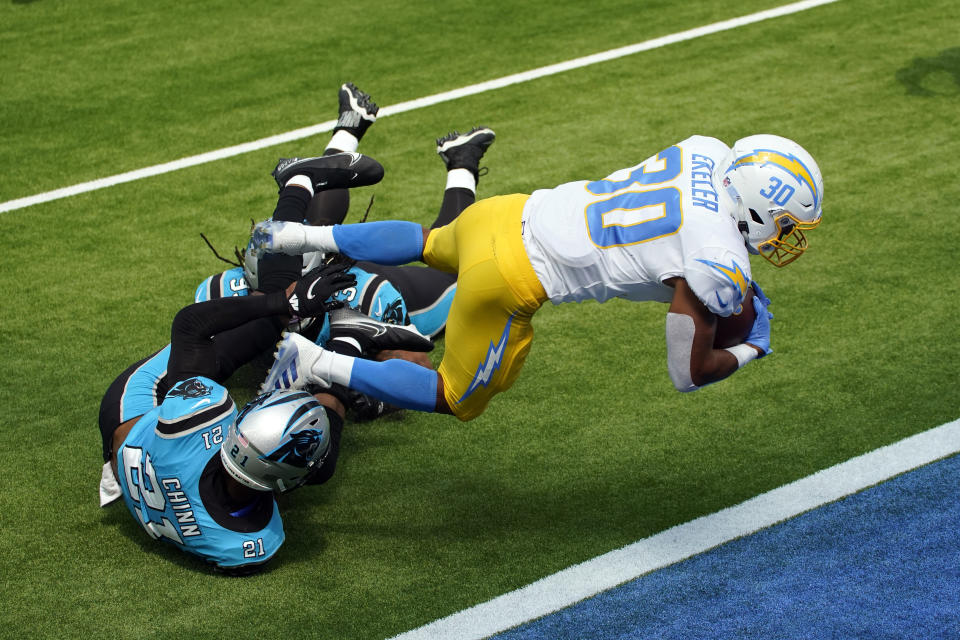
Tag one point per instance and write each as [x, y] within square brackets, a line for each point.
[298, 450]
[189, 389]
[393, 314]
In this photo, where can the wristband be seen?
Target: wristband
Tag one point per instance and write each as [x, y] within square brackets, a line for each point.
[744, 353]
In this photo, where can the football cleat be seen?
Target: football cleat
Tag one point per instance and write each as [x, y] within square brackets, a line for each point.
[364, 408]
[464, 150]
[357, 110]
[375, 336]
[292, 365]
[336, 171]
[275, 236]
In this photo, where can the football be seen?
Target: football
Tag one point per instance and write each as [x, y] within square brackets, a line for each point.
[733, 330]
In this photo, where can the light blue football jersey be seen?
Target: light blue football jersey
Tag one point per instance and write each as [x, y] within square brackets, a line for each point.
[145, 388]
[373, 295]
[162, 464]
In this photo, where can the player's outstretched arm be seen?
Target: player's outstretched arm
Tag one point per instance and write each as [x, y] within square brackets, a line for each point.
[692, 359]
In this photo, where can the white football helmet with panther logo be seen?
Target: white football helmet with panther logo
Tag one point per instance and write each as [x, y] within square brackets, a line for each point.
[775, 191]
[276, 440]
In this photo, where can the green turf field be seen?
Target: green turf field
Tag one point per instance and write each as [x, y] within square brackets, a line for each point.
[592, 449]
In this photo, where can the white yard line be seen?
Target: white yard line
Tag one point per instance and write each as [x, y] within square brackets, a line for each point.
[419, 103]
[604, 572]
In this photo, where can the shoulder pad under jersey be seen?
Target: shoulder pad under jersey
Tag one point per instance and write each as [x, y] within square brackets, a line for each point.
[719, 278]
[223, 285]
[192, 404]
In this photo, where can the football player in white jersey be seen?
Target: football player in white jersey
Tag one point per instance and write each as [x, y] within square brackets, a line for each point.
[676, 228]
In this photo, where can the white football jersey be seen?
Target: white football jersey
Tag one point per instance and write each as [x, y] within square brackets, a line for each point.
[623, 236]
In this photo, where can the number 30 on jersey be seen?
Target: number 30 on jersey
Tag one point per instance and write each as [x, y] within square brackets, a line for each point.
[638, 215]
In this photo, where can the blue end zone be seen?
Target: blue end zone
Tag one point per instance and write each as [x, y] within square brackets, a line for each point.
[883, 563]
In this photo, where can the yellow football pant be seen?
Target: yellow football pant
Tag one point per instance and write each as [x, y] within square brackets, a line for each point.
[488, 332]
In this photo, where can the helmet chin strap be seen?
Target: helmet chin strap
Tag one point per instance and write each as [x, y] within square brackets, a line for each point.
[742, 225]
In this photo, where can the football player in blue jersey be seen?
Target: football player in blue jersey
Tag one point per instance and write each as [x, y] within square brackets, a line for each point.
[191, 469]
[417, 295]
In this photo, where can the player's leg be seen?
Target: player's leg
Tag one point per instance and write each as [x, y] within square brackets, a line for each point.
[214, 340]
[488, 333]
[274, 270]
[461, 154]
[386, 242]
[489, 330]
[395, 242]
[357, 112]
[391, 242]
[427, 292]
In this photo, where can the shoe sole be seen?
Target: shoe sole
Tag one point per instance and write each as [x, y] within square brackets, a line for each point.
[356, 99]
[466, 139]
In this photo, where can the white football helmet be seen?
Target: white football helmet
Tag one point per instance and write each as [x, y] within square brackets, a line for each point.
[276, 440]
[775, 192]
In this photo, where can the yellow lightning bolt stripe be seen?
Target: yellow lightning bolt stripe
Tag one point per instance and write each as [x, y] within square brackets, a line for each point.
[735, 274]
[788, 163]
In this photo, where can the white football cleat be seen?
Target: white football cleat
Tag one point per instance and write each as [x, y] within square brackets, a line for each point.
[293, 365]
[273, 236]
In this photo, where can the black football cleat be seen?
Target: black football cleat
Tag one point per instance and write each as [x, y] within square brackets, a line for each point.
[375, 336]
[364, 408]
[464, 150]
[336, 171]
[357, 110]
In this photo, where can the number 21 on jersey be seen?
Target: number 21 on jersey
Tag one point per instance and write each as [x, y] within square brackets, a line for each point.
[637, 215]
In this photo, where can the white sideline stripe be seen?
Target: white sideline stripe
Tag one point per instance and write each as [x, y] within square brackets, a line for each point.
[410, 105]
[589, 578]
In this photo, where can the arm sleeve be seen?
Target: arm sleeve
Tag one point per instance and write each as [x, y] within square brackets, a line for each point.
[680, 331]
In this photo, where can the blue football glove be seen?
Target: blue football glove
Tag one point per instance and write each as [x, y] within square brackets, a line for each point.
[760, 294]
[760, 331]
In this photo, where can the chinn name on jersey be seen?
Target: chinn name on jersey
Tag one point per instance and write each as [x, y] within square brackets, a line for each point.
[186, 521]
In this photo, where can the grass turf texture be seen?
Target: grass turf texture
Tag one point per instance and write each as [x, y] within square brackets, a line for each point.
[592, 449]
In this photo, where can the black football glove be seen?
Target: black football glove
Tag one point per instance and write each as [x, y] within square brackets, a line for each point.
[311, 295]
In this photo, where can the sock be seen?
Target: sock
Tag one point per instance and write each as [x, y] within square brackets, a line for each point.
[348, 347]
[461, 179]
[455, 200]
[276, 270]
[343, 140]
[390, 242]
[333, 367]
[399, 382]
[293, 200]
[320, 239]
[301, 181]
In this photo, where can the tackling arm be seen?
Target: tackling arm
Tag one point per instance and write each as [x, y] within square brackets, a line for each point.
[692, 359]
